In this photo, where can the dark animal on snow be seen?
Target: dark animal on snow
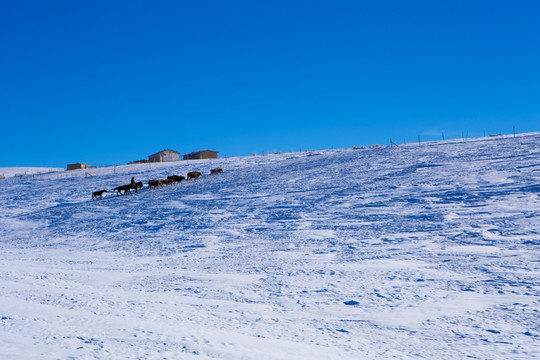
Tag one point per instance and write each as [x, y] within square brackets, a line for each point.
[176, 178]
[216, 171]
[124, 188]
[137, 185]
[193, 175]
[154, 183]
[98, 194]
[165, 181]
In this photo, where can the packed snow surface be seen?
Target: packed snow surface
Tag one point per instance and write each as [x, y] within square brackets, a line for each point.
[426, 251]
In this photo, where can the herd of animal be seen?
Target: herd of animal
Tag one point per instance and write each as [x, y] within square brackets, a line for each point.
[153, 184]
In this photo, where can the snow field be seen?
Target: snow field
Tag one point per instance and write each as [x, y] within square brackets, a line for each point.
[415, 252]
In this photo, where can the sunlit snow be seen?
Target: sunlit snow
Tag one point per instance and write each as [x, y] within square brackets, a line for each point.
[426, 251]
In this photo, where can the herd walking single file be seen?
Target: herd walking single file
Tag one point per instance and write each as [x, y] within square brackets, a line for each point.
[153, 183]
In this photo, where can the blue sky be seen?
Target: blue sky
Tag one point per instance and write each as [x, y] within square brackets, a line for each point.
[107, 82]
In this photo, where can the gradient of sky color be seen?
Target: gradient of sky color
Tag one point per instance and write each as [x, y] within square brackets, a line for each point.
[107, 82]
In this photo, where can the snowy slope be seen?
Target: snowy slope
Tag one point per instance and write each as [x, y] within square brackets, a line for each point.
[424, 251]
[21, 171]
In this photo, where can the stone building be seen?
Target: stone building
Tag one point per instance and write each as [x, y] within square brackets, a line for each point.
[77, 166]
[165, 155]
[203, 154]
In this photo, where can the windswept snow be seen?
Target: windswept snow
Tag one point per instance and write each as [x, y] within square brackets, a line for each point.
[424, 251]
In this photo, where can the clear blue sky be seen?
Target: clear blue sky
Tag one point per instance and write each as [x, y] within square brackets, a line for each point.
[107, 82]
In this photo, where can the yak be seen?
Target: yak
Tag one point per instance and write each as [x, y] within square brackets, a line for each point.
[193, 175]
[98, 194]
[124, 188]
[154, 183]
[176, 178]
[165, 181]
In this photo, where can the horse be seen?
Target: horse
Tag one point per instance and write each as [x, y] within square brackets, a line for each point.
[216, 171]
[136, 185]
[193, 175]
[98, 194]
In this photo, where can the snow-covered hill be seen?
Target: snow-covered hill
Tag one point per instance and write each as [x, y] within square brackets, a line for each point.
[23, 171]
[424, 251]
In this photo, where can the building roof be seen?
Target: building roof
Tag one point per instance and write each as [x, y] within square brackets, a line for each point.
[200, 151]
[162, 151]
